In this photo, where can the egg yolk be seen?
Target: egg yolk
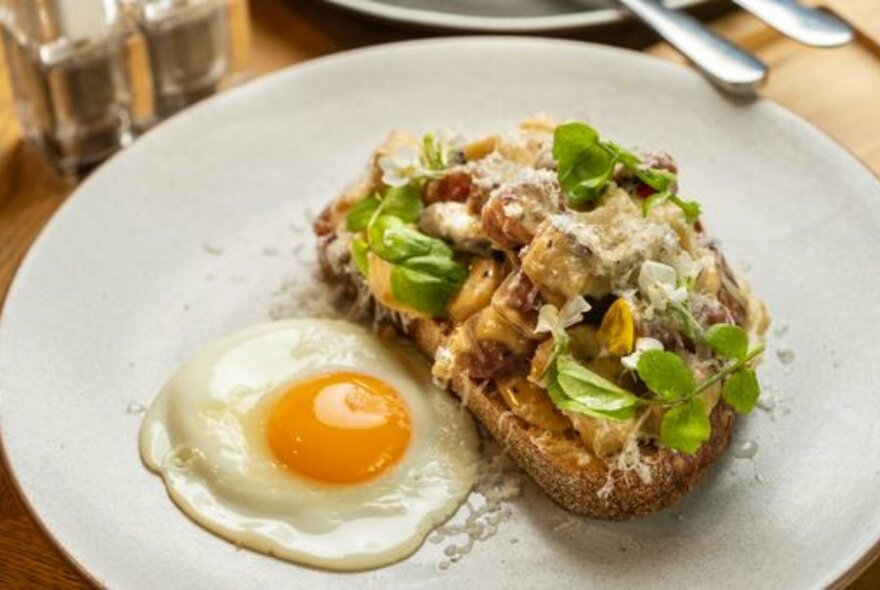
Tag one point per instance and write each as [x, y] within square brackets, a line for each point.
[339, 428]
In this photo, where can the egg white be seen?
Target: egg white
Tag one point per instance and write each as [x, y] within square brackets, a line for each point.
[204, 435]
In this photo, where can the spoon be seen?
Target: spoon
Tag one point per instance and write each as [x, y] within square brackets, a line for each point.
[728, 66]
[802, 23]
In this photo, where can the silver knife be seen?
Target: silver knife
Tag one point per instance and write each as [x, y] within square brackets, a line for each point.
[728, 66]
[802, 23]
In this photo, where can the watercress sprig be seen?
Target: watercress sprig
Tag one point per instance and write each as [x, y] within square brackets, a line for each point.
[585, 167]
[685, 426]
[673, 382]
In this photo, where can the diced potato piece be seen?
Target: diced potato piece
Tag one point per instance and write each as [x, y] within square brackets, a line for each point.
[476, 293]
[490, 325]
[603, 437]
[532, 404]
[524, 153]
[674, 216]
[757, 318]
[557, 261]
[479, 148]
[583, 345]
[709, 279]
[380, 281]
[583, 254]
[540, 123]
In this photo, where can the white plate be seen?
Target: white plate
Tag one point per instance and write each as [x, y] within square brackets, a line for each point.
[497, 15]
[127, 281]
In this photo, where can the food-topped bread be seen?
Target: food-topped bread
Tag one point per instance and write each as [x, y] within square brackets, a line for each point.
[567, 294]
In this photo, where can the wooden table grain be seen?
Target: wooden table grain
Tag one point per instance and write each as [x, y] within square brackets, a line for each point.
[837, 90]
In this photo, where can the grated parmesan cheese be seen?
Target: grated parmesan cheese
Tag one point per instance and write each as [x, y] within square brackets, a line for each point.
[499, 482]
[305, 296]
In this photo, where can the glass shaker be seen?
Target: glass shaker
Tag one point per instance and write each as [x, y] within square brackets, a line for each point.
[195, 48]
[69, 66]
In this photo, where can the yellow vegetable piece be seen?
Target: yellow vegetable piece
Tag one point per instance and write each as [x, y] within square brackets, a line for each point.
[532, 404]
[617, 331]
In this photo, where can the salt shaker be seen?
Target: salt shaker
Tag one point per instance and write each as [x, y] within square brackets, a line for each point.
[193, 48]
[69, 66]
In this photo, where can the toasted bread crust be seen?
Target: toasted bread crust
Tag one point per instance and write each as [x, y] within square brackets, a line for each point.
[559, 463]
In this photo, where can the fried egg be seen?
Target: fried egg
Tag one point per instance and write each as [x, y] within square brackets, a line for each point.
[314, 441]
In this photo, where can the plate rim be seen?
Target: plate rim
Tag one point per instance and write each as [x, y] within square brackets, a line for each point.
[495, 24]
[839, 582]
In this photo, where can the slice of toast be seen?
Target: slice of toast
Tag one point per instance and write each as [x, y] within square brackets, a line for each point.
[643, 478]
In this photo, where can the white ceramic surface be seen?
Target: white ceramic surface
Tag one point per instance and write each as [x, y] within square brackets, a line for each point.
[497, 15]
[187, 235]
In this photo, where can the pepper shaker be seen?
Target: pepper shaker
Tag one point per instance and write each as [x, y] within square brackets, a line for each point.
[69, 66]
[193, 48]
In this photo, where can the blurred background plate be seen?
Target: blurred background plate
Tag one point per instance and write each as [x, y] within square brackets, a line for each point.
[498, 15]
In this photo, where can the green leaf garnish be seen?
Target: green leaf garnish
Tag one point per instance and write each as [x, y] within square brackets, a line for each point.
[554, 390]
[395, 241]
[376, 230]
[425, 274]
[591, 389]
[585, 166]
[666, 374]
[570, 139]
[561, 400]
[427, 285]
[686, 427]
[434, 157]
[727, 340]
[741, 390]
[439, 265]
[403, 202]
[615, 404]
[575, 407]
[360, 214]
[587, 179]
[359, 250]
[730, 369]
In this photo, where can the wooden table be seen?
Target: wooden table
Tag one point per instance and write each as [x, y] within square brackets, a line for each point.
[837, 90]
